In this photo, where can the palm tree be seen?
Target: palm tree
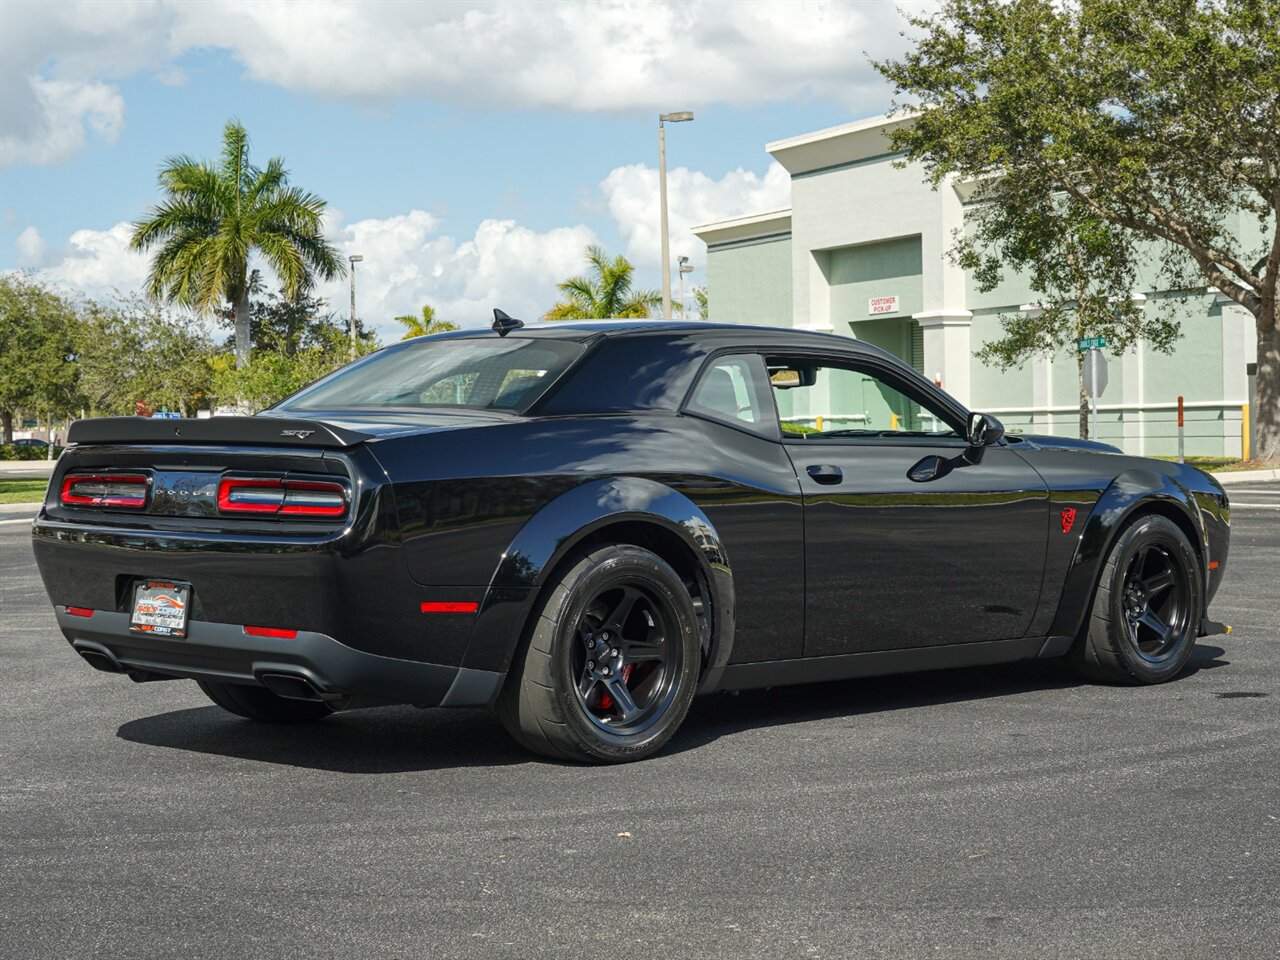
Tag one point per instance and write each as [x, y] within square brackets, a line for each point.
[425, 325]
[605, 293]
[215, 216]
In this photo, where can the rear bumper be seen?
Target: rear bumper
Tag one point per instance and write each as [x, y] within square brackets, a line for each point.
[223, 652]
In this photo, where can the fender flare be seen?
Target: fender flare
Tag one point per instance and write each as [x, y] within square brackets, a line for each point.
[1129, 493]
[562, 524]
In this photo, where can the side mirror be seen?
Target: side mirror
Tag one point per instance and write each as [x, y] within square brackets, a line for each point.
[984, 430]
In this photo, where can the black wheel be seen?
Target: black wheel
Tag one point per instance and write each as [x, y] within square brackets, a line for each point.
[1146, 611]
[259, 703]
[608, 670]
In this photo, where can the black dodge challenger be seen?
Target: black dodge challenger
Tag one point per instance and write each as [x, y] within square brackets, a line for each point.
[586, 524]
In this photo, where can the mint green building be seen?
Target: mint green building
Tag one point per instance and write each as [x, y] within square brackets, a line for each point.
[861, 252]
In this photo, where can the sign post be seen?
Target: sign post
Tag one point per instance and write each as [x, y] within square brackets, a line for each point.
[1095, 376]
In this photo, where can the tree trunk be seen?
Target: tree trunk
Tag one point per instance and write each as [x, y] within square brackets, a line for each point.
[1084, 397]
[6, 426]
[241, 309]
[1265, 441]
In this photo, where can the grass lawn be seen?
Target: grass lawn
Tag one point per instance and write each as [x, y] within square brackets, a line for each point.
[22, 491]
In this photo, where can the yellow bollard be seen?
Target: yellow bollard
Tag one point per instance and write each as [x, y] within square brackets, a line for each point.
[893, 421]
[817, 422]
[1244, 431]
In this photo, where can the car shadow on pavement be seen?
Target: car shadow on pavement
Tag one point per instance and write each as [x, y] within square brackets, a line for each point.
[381, 740]
[721, 715]
[405, 739]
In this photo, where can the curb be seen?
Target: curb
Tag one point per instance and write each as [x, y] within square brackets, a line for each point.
[19, 511]
[1228, 477]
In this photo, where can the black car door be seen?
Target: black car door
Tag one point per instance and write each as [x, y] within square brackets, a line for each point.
[911, 539]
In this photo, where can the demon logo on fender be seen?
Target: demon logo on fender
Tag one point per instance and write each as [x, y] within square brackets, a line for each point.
[1068, 517]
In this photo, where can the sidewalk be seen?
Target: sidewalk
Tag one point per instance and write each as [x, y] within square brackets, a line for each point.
[25, 469]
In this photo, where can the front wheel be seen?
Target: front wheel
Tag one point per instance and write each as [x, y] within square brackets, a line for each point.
[608, 670]
[1146, 611]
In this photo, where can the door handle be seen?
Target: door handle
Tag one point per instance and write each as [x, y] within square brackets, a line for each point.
[825, 473]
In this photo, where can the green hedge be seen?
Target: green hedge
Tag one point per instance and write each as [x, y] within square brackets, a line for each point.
[11, 451]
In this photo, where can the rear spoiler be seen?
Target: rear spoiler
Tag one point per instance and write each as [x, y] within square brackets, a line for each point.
[260, 431]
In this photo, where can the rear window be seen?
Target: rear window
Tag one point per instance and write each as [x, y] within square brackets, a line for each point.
[507, 374]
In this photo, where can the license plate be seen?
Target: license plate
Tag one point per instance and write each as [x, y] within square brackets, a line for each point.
[161, 608]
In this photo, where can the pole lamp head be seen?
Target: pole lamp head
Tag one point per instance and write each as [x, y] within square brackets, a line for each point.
[356, 258]
[678, 117]
[685, 266]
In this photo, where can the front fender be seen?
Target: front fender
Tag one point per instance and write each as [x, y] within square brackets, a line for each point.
[561, 525]
[1130, 493]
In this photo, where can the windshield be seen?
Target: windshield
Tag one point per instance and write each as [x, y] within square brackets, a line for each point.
[490, 374]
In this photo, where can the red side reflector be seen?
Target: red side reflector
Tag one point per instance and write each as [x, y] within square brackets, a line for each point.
[80, 611]
[104, 490]
[1213, 564]
[271, 632]
[448, 606]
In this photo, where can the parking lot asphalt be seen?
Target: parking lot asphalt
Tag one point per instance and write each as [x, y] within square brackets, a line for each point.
[994, 812]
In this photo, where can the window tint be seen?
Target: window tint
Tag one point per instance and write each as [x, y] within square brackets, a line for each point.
[821, 401]
[506, 374]
[731, 389]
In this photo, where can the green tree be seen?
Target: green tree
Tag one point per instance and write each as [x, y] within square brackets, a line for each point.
[215, 216]
[135, 350]
[605, 292]
[424, 325]
[1081, 268]
[37, 333]
[1159, 119]
[703, 302]
[299, 342]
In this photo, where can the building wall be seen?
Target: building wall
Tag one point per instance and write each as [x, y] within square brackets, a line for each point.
[868, 229]
[750, 282]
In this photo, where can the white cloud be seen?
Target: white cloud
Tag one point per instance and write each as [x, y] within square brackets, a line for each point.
[67, 112]
[613, 57]
[96, 263]
[693, 198]
[408, 262]
[30, 248]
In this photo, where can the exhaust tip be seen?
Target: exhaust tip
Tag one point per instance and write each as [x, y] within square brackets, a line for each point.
[100, 658]
[291, 686]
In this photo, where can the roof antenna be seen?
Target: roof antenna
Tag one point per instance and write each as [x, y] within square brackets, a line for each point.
[503, 324]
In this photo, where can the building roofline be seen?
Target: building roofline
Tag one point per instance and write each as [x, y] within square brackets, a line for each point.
[749, 227]
[846, 143]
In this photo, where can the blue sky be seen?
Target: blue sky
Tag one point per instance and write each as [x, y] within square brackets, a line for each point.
[463, 170]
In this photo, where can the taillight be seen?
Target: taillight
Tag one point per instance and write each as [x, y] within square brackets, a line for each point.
[104, 490]
[283, 497]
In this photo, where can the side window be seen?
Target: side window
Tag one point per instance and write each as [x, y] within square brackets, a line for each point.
[816, 400]
[732, 390]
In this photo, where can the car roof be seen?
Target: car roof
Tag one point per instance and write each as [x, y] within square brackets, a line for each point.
[724, 333]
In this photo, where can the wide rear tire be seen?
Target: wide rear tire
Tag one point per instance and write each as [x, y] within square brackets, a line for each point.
[1146, 611]
[609, 666]
[259, 703]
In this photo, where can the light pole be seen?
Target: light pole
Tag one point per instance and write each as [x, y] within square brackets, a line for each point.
[682, 270]
[354, 258]
[665, 118]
